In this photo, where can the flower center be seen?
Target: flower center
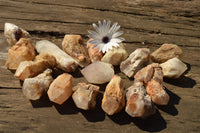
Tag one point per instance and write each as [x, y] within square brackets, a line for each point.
[105, 39]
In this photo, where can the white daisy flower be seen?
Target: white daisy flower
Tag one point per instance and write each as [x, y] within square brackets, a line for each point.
[105, 36]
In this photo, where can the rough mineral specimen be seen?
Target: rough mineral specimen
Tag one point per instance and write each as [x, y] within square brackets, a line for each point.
[166, 52]
[13, 33]
[61, 88]
[152, 78]
[139, 103]
[137, 59]
[28, 69]
[64, 61]
[74, 46]
[98, 72]
[23, 50]
[49, 59]
[94, 53]
[34, 88]
[173, 68]
[114, 97]
[147, 73]
[115, 56]
[85, 96]
[158, 94]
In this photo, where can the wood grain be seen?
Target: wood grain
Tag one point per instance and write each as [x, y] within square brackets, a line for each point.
[146, 23]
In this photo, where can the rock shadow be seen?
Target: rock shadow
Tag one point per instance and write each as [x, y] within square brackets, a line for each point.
[77, 73]
[182, 81]
[117, 69]
[42, 102]
[68, 107]
[97, 114]
[154, 123]
[121, 118]
[188, 68]
[170, 108]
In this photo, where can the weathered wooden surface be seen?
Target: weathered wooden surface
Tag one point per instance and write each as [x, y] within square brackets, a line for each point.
[146, 23]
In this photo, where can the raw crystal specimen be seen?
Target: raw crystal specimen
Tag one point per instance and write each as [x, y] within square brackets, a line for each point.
[166, 52]
[173, 68]
[94, 53]
[152, 78]
[147, 73]
[85, 96]
[23, 50]
[139, 103]
[98, 72]
[61, 88]
[13, 33]
[114, 97]
[115, 56]
[64, 61]
[158, 94]
[74, 46]
[49, 59]
[28, 69]
[34, 88]
[137, 59]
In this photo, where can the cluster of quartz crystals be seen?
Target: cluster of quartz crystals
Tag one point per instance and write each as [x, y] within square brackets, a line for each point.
[97, 68]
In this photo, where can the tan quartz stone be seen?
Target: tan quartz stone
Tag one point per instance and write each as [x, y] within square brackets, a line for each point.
[114, 97]
[61, 88]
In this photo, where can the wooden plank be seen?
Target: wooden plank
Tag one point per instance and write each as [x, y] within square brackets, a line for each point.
[147, 23]
[138, 28]
[7, 78]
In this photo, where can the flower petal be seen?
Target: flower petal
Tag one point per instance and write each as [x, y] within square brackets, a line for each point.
[116, 29]
[119, 33]
[93, 34]
[94, 41]
[116, 40]
[108, 26]
[112, 28]
[110, 45]
[96, 27]
[104, 49]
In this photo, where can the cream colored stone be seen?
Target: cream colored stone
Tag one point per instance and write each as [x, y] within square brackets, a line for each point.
[23, 50]
[137, 59]
[166, 52]
[115, 56]
[94, 53]
[157, 92]
[173, 68]
[13, 33]
[98, 72]
[64, 61]
[61, 88]
[139, 103]
[34, 88]
[85, 96]
[147, 73]
[28, 69]
[74, 46]
[152, 78]
[114, 97]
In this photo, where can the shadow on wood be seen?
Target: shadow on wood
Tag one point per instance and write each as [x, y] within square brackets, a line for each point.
[183, 81]
[97, 114]
[42, 102]
[68, 107]
[170, 108]
[153, 123]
